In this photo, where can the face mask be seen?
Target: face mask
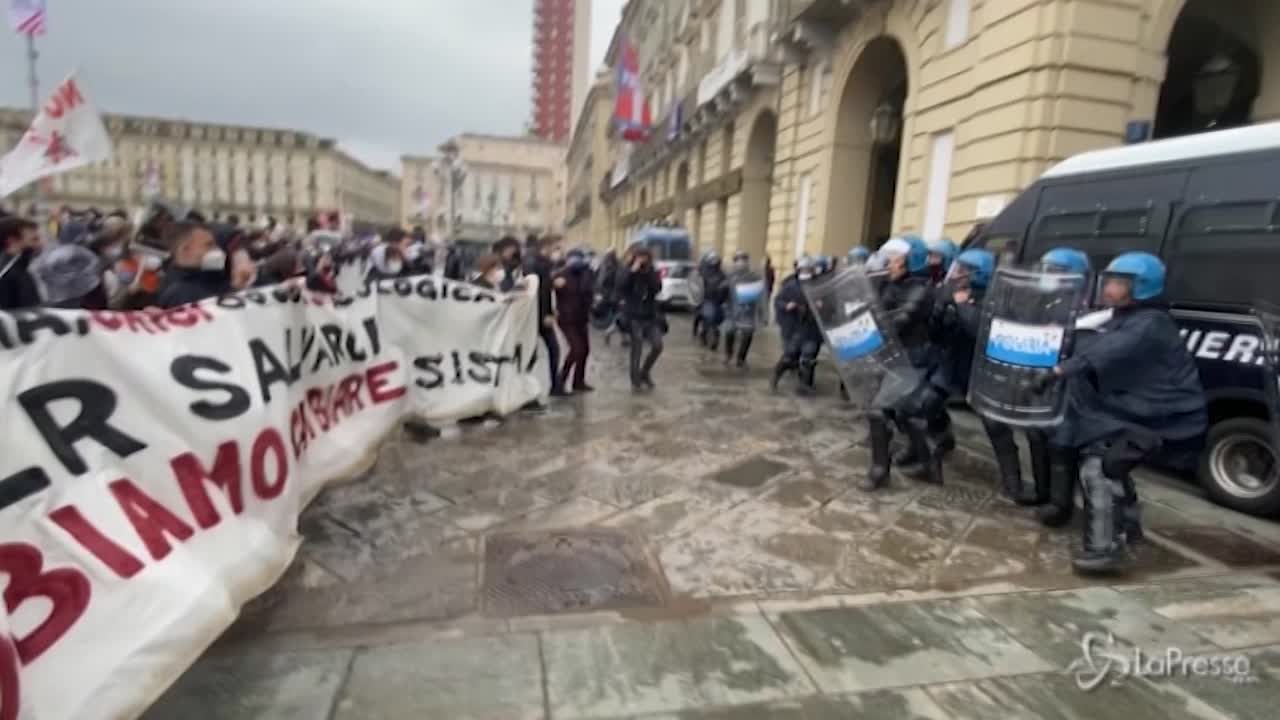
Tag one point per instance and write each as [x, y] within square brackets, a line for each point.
[214, 260]
[556, 256]
[494, 277]
[806, 276]
[394, 267]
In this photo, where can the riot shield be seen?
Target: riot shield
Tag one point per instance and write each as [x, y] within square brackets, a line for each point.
[1269, 318]
[696, 290]
[869, 359]
[1028, 319]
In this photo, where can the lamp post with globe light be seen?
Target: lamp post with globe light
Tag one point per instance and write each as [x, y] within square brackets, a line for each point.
[452, 171]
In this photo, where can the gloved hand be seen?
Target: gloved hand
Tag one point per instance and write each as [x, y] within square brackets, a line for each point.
[1041, 383]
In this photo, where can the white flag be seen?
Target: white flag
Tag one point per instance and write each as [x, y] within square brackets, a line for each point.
[66, 134]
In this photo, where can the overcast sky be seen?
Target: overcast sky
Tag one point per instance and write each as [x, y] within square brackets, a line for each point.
[383, 77]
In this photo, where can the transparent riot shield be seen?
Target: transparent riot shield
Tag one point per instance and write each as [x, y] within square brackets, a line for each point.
[1269, 318]
[696, 290]
[1028, 319]
[868, 357]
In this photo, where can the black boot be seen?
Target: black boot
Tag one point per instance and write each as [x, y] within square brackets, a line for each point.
[1064, 473]
[944, 441]
[1104, 549]
[744, 346]
[905, 459]
[778, 371]
[1132, 512]
[806, 376]
[1041, 465]
[730, 339]
[930, 470]
[878, 473]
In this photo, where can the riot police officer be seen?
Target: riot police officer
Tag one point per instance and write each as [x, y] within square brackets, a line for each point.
[1057, 467]
[710, 313]
[745, 292]
[857, 256]
[907, 299]
[801, 336]
[1132, 389]
[942, 252]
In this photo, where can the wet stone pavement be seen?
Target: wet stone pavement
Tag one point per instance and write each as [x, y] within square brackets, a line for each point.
[700, 552]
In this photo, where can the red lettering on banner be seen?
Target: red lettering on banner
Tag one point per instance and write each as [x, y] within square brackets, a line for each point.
[268, 441]
[376, 380]
[151, 322]
[67, 97]
[10, 681]
[300, 430]
[151, 520]
[347, 396]
[192, 478]
[137, 322]
[120, 561]
[66, 588]
[317, 400]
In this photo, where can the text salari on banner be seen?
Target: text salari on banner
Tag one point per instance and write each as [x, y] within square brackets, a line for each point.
[154, 464]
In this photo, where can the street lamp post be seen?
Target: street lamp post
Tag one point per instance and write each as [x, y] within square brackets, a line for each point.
[452, 172]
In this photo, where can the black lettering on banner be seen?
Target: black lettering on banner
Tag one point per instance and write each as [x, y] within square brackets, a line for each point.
[457, 367]
[30, 322]
[185, 370]
[269, 368]
[97, 403]
[22, 485]
[430, 366]
[479, 371]
[371, 329]
[231, 302]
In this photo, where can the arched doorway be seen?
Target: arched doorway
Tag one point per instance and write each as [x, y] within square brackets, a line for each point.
[1214, 68]
[867, 148]
[757, 182]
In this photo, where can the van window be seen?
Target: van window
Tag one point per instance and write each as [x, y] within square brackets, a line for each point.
[1225, 255]
[670, 248]
[1105, 216]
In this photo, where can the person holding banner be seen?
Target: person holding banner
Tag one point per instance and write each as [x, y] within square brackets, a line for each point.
[1132, 390]
[19, 245]
[197, 269]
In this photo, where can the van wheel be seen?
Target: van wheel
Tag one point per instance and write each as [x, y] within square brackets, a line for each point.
[1239, 469]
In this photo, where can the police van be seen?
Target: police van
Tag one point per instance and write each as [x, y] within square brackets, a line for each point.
[1209, 206]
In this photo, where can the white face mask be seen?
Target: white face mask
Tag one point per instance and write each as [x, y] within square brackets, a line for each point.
[494, 277]
[215, 259]
[394, 267]
[556, 256]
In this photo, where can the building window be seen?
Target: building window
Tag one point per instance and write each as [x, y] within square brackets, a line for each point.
[817, 84]
[802, 213]
[935, 209]
[957, 23]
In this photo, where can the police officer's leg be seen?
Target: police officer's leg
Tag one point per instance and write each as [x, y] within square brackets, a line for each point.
[713, 335]
[808, 366]
[637, 345]
[1102, 549]
[1041, 472]
[1064, 473]
[1005, 448]
[790, 360]
[730, 339]
[698, 325]
[940, 428]
[915, 422]
[746, 336]
[1120, 460]
[878, 435]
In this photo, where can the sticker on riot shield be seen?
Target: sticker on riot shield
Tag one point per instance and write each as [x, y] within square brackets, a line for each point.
[856, 339]
[1033, 346]
[1027, 329]
[747, 293]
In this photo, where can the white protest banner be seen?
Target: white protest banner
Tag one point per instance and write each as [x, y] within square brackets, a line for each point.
[153, 464]
[66, 134]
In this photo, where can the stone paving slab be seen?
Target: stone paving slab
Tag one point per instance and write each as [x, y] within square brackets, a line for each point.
[1235, 611]
[857, 649]
[638, 668]
[281, 686]
[1056, 697]
[481, 678]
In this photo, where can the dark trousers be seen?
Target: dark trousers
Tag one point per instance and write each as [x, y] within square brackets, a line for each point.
[579, 348]
[643, 331]
[549, 339]
[742, 339]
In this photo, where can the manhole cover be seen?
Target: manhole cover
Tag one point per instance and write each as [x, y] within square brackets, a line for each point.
[568, 571]
[954, 497]
[750, 473]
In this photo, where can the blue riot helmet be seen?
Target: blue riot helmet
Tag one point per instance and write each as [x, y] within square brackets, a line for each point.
[805, 267]
[710, 258]
[1065, 259]
[741, 259]
[576, 258]
[822, 265]
[857, 255]
[944, 251]
[1141, 273]
[974, 266]
[918, 258]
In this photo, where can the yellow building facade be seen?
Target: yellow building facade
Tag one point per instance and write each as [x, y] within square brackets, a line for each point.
[823, 124]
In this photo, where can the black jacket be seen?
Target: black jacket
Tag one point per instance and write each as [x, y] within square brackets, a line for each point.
[798, 320]
[715, 288]
[183, 286]
[18, 288]
[908, 302]
[574, 300]
[541, 267]
[1134, 374]
[955, 332]
[638, 291]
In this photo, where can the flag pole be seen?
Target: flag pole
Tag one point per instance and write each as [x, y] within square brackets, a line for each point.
[33, 83]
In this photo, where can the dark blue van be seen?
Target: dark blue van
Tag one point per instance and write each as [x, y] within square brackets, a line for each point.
[1209, 205]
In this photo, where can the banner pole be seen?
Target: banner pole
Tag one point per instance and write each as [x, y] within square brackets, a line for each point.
[34, 86]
